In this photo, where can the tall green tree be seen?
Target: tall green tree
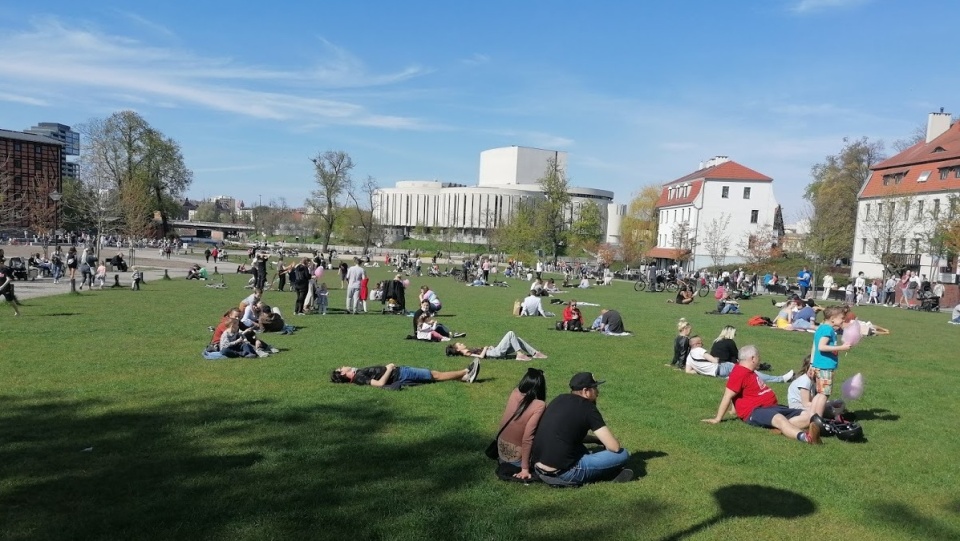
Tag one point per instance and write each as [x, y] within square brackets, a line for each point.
[587, 229]
[332, 173]
[123, 153]
[833, 196]
[552, 221]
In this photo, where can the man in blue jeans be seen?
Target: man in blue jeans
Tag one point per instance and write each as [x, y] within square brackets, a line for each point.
[559, 454]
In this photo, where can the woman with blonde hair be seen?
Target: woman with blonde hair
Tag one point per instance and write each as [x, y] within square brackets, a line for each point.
[681, 344]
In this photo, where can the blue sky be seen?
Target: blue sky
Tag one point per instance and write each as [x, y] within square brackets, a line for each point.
[638, 93]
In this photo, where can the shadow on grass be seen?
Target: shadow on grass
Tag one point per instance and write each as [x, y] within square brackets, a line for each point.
[638, 461]
[57, 314]
[741, 501]
[911, 523]
[89, 469]
[875, 414]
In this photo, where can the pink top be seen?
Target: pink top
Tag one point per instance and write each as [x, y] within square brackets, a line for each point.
[517, 439]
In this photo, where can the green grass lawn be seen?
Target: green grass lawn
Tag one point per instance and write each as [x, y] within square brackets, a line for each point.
[112, 426]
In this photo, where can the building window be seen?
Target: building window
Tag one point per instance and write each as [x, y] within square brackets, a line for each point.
[866, 211]
[936, 209]
[879, 210]
[944, 173]
[916, 246]
[906, 210]
[903, 245]
[17, 147]
[754, 216]
[17, 163]
[876, 246]
[725, 192]
[863, 246]
[37, 166]
[956, 172]
[746, 193]
[924, 176]
[920, 209]
[36, 149]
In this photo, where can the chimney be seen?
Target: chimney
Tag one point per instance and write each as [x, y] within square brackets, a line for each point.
[937, 124]
[716, 160]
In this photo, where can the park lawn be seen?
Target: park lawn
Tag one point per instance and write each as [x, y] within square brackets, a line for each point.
[112, 426]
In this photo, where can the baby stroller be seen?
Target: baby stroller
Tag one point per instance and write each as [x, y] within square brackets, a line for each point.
[393, 297]
[18, 268]
[928, 302]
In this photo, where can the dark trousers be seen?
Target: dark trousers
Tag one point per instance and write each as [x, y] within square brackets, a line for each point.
[283, 281]
[301, 297]
[261, 278]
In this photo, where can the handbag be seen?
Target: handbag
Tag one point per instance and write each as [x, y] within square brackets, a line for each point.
[492, 451]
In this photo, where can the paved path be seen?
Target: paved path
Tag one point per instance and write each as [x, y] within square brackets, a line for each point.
[147, 260]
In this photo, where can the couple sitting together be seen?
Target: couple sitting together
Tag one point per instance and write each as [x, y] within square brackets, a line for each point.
[545, 442]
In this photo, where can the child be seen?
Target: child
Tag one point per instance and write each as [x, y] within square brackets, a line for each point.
[825, 348]
[322, 297]
[681, 344]
[101, 276]
[875, 293]
[136, 278]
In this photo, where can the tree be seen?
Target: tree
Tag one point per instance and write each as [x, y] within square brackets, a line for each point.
[587, 229]
[716, 239]
[519, 234]
[758, 247]
[833, 195]
[332, 172]
[207, 211]
[683, 239]
[551, 212]
[364, 203]
[638, 229]
[133, 159]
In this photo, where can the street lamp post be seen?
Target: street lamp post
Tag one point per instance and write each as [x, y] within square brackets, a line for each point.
[56, 196]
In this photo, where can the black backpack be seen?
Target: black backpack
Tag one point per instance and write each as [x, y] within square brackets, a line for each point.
[301, 275]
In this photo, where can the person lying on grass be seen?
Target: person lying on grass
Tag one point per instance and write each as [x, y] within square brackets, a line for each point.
[391, 374]
[510, 344]
[756, 404]
[700, 362]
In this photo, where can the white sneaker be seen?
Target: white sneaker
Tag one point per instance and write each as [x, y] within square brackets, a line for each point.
[261, 353]
[787, 377]
[472, 371]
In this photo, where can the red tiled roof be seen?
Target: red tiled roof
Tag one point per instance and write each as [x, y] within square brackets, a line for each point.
[665, 193]
[663, 253]
[730, 170]
[923, 152]
[725, 171]
[915, 161]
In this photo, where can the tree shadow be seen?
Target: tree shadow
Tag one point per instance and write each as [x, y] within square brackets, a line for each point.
[743, 501]
[58, 314]
[911, 523]
[94, 469]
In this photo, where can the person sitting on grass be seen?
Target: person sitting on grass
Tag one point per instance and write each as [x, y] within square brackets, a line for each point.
[237, 343]
[684, 296]
[756, 404]
[559, 454]
[681, 344]
[425, 312]
[700, 362]
[609, 322]
[572, 318]
[519, 422]
[532, 306]
[802, 394]
[510, 344]
[393, 375]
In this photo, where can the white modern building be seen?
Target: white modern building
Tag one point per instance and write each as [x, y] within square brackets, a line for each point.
[507, 176]
[721, 198]
[899, 205]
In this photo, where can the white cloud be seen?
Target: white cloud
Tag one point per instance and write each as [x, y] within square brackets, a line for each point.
[476, 59]
[110, 66]
[19, 98]
[812, 6]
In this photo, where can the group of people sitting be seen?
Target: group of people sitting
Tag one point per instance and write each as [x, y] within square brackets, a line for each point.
[239, 331]
[690, 355]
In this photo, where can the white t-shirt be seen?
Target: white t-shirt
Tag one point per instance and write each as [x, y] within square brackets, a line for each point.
[793, 393]
[700, 364]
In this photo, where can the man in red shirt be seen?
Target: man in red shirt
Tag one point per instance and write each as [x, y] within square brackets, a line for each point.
[756, 404]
